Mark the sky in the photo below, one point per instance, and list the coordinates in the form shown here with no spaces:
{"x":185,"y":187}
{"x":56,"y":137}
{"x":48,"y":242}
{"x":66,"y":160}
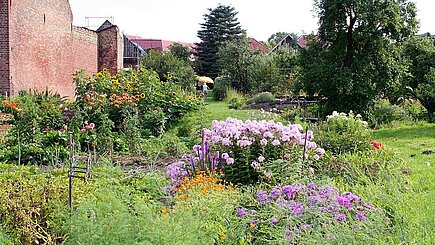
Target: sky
{"x":179,"y":20}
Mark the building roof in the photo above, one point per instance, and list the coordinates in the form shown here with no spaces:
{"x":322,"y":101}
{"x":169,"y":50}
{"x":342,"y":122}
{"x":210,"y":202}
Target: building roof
{"x":156,"y":44}
{"x":256,"y":45}
{"x":106,"y":25}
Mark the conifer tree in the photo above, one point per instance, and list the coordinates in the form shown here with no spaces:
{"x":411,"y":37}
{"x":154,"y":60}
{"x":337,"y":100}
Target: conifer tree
{"x":220,"y":25}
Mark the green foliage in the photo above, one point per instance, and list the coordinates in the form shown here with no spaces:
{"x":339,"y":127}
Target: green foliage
{"x":421,"y":54}
{"x":29,"y":200}
{"x":38,"y":129}
{"x":235,"y":59}
{"x":220,"y":26}
{"x":170,"y":68}
{"x":180,"y":51}
{"x":277,"y":37}
{"x":234,"y":99}
{"x":262,"y":97}
{"x":254,"y":72}
{"x":343,"y":133}
{"x":134,"y":104}
{"x":354,"y":61}
{"x":221,"y":84}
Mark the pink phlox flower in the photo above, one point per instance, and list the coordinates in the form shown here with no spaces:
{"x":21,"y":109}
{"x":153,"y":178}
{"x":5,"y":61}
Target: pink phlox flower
{"x":276,"y":142}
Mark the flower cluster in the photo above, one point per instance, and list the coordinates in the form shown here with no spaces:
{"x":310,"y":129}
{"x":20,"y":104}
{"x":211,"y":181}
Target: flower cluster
{"x":13,"y":105}
{"x":343,"y":116}
{"x":295,"y":206}
{"x":87,"y":127}
{"x":377,"y":145}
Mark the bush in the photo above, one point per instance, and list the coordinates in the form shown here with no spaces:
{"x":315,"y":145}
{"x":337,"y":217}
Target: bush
{"x":29,"y":201}
{"x":311,"y":214}
{"x":221,"y":84}
{"x":343,"y":133}
{"x":262,"y":97}
{"x":234,"y":99}
{"x":38,"y":131}
{"x":170,"y":69}
{"x":249,"y":151}
{"x":384,"y":112}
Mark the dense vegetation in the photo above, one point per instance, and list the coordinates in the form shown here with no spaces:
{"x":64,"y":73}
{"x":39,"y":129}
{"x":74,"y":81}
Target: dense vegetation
{"x":170,"y":167}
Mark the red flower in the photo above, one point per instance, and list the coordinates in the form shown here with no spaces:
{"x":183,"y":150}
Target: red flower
{"x":377,"y":145}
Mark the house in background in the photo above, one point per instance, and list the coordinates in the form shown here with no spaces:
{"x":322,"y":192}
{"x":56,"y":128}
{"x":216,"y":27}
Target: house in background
{"x":156,"y":44}
{"x":256,"y":45}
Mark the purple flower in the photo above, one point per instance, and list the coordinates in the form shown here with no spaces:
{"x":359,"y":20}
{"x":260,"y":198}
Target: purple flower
{"x":274,"y":221}
{"x":241,"y":212}
{"x":340,"y":217}
{"x":360,"y":216}
{"x":230,"y":160}
{"x":225,"y":156}
{"x":196,"y":147}
{"x":268,"y":135}
{"x":320,"y":151}
{"x":263,"y":142}
{"x":262,"y":196}
{"x":316,"y":157}
{"x":261,"y":158}
{"x":276,"y":142}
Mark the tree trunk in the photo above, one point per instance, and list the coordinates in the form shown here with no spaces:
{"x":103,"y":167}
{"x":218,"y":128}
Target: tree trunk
{"x":349,"y":48}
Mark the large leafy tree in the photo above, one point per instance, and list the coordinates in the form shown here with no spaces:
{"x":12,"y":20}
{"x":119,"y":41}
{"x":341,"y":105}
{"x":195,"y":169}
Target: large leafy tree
{"x":421,"y":84}
{"x":220,"y":25}
{"x":352,"y":61}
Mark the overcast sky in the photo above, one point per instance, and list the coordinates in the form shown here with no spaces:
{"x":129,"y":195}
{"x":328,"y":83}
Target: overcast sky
{"x":178,"y":20}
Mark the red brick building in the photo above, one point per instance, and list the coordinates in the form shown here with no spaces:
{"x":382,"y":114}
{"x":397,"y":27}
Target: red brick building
{"x":40,"y":48}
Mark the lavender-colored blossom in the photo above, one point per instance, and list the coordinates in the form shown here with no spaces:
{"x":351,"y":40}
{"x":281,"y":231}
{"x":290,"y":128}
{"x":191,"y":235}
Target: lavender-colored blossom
{"x":305,"y":226}
{"x":316,"y":157}
{"x":276,"y":192}
{"x":268,"y":135}
{"x":230,"y":160}
{"x":361,"y":216}
{"x":340,"y":217}
{"x":255,"y":165}
{"x":225,"y":156}
{"x":241,"y":212}
{"x":274,"y":221}
{"x":262,"y":196}
{"x":276,"y":142}
{"x":196,"y":147}
{"x":320,"y":151}
{"x":263,"y":142}
{"x":260,"y":158}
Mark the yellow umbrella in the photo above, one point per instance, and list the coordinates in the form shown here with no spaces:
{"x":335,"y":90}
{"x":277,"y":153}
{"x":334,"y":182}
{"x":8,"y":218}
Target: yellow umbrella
{"x":204,"y":79}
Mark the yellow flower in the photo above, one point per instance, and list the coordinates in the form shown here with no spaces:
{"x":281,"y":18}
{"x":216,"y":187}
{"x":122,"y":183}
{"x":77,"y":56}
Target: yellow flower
{"x":142,"y":95}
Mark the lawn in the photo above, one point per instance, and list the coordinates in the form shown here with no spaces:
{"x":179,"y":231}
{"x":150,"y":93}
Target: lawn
{"x":415,"y":145}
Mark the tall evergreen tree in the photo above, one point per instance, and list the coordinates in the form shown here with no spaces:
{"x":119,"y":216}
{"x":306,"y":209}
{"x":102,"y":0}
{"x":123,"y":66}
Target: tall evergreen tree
{"x":220,"y":25}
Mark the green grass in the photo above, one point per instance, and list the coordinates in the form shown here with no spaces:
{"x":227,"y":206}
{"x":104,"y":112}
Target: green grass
{"x":418,"y":201}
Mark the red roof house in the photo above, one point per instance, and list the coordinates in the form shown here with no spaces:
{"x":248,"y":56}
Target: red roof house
{"x":156,"y":44}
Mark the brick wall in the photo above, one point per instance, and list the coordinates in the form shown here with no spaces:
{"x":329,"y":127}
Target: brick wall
{"x":41,"y":44}
{"x":4,"y":47}
{"x":110,"y":49}
{"x":85,"y":50}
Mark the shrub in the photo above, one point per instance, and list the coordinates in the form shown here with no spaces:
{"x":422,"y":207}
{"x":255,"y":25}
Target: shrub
{"x":29,"y":201}
{"x":248,"y":151}
{"x":234,"y":99}
{"x":384,"y":112}
{"x":343,"y":133}
{"x":170,"y":68}
{"x":221,"y":84}
{"x":38,"y":132}
{"x":311,"y":214}
{"x":134,"y":104}
{"x":262,"y":97}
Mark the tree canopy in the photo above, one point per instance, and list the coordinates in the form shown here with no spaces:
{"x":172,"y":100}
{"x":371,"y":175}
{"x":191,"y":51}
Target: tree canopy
{"x":220,"y":25}
{"x":352,"y":61}
{"x":421,"y":83}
